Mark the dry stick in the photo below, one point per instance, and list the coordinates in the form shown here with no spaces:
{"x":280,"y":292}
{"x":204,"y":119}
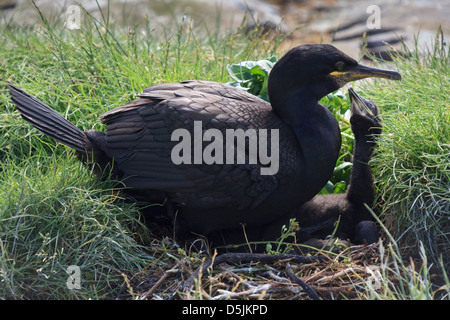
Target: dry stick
{"x":245,"y":258}
{"x":150,"y":292}
{"x":302,"y":283}
{"x":252,"y":291}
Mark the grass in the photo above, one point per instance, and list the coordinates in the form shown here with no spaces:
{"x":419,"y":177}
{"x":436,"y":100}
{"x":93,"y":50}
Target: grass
{"x":412,"y":164}
{"x":54,"y":213}
{"x":412,"y":172}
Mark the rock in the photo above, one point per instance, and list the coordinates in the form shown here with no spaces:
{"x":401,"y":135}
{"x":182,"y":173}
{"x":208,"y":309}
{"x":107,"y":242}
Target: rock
{"x":229,"y":12}
{"x":342,"y":22}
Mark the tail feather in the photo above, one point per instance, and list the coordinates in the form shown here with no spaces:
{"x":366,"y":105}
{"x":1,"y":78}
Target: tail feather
{"x":47,"y":120}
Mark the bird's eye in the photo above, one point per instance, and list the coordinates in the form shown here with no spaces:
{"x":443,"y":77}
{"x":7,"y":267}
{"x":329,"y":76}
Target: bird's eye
{"x":339,"y":65}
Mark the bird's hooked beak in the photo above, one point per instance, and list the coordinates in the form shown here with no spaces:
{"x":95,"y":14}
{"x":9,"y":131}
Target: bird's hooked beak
{"x":358,"y":106}
{"x":361,"y":71}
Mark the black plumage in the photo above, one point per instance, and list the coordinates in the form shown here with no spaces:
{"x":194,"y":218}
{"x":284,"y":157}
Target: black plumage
{"x":345,"y":215}
{"x":321,"y":215}
{"x":137,"y":142}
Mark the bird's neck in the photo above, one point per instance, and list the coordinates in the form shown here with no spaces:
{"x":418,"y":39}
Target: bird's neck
{"x":297,"y":107}
{"x":361,"y":187}
{"x":317,"y":133}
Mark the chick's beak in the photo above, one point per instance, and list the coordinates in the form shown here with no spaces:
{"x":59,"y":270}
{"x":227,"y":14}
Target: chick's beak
{"x":358,"y":106}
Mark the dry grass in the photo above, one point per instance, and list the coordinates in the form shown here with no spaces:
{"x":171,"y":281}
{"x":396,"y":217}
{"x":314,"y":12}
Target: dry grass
{"x":330,"y":276}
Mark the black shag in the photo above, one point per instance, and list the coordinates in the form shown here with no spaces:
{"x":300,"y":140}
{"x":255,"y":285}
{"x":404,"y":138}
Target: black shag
{"x":138,"y":142}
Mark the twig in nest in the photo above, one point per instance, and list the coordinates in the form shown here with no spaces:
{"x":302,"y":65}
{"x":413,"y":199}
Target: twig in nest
{"x":253,"y":291}
{"x":248,"y":284}
{"x":279,"y":279}
{"x":346,"y":272}
{"x":150,"y":292}
{"x":245,"y":258}
{"x":302,"y":283}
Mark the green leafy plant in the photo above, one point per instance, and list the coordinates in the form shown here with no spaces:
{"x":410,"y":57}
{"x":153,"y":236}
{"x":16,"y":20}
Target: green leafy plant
{"x":340,"y":179}
{"x":252,"y":76}
{"x":284,"y":244}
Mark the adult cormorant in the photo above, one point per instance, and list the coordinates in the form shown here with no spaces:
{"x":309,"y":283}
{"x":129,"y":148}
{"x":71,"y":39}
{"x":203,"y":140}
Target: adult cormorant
{"x":138,"y":142}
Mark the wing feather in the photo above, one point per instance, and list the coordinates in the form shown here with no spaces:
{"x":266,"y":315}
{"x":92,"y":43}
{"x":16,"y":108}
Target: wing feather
{"x":138,"y":137}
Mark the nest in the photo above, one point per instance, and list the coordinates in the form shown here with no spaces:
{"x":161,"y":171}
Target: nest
{"x":248,"y":276}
